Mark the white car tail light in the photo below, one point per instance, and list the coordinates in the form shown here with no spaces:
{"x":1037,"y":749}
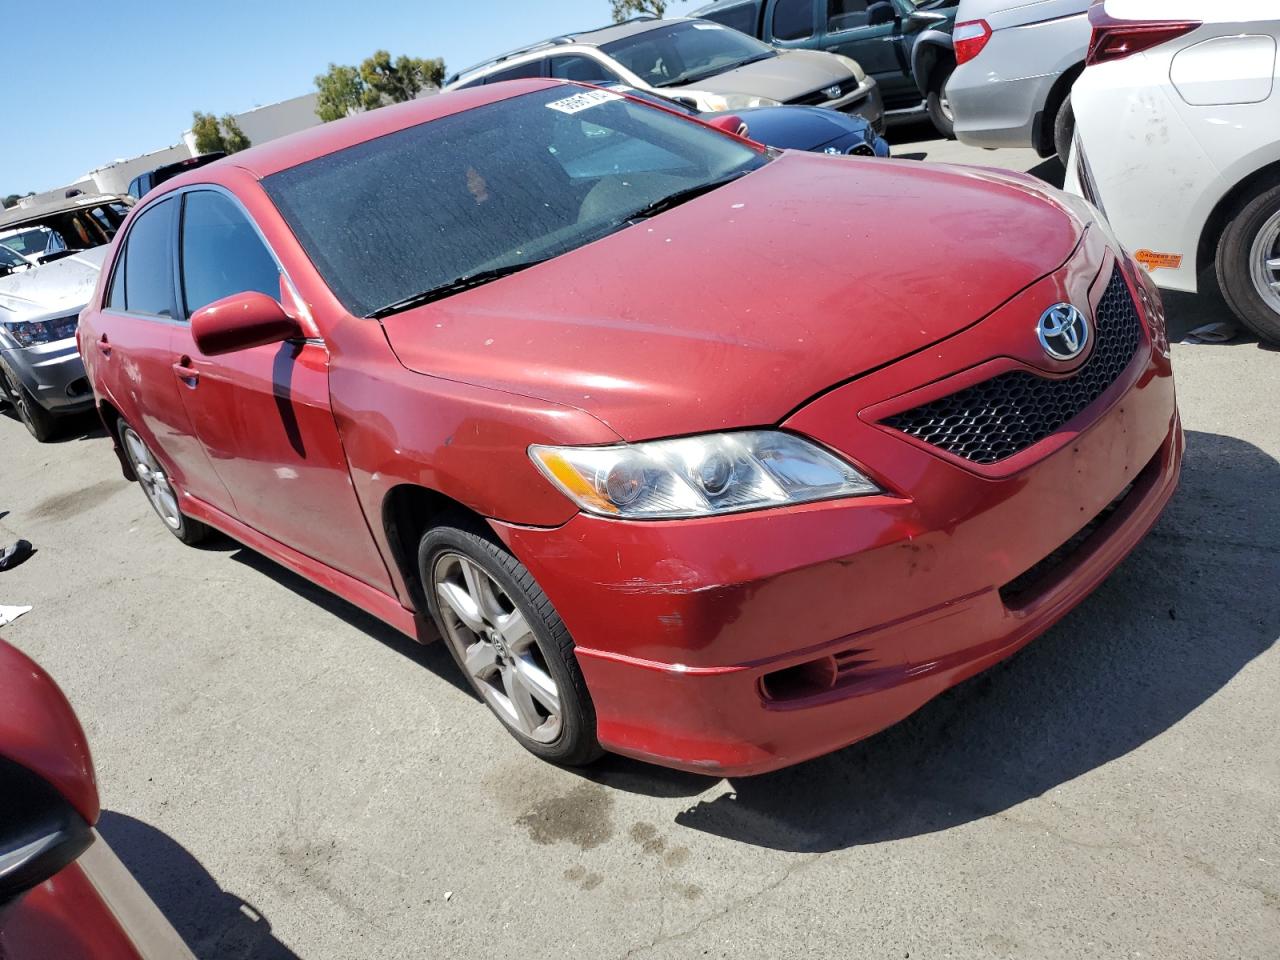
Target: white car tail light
{"x":969,"y":38}
{"x":1115,"y":39}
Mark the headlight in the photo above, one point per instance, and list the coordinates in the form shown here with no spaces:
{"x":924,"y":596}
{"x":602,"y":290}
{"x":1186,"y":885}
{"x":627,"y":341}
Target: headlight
{"x":741,"y":101}
{"x":699,"y":476}
{"x":33,"y":332}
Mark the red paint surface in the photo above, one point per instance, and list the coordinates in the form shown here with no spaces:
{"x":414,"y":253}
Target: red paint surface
{"x":39,"y":731}
{"x":817,"y":293}
{"x":64,"y":918}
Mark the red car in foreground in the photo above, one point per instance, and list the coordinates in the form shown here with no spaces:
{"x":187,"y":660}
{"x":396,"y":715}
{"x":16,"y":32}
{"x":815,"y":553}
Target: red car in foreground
{"x":64,"y":895}
{"x":693,"y":451}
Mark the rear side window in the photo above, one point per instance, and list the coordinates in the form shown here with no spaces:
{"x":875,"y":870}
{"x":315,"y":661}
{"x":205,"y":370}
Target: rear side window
{"x":580,"y":68}
{"x":148,"y":280}
{"x":848,"y":14}
{"x":741,"y":17}
{"x":531,"y":69}
{"x":793,"y":19}
{"x":222,"y":253}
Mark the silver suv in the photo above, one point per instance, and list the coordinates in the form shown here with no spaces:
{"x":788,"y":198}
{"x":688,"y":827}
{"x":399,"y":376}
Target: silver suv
{"x":703,"y":64}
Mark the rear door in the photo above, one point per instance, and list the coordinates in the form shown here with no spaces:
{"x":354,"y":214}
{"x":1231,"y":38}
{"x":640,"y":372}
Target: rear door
{"x":263,"y":414}
{"x":133,"y":351}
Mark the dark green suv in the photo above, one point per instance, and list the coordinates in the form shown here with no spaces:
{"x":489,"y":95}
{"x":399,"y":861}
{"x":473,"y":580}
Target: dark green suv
{"x":904,"y":44}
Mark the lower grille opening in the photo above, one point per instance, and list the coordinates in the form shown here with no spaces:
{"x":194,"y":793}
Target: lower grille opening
{"x":1025,"y":587}
{"x":818,"y":676}
{"x":78,"y":387}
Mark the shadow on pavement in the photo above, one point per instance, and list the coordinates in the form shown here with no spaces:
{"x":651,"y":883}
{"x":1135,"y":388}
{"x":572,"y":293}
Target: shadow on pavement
{"x":1182,"y":615}
{"x":434,"y":656}
{"x":214,"y":923}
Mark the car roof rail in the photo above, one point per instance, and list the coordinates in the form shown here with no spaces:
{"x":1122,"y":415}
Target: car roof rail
{"x":540,"y":45}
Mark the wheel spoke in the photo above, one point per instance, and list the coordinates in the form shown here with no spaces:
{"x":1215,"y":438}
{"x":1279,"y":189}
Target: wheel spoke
{"x":540,"y":686}
{"x":481,"y":589}
{"x":461,"y":603}
{"x":1274,"y":264}
{"x":481,"y":659}
{"x":526,"y":714}
{"x":168,"y":503}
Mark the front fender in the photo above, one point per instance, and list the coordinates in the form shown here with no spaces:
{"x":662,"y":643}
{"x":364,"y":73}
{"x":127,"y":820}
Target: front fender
{"x":931,"y":48}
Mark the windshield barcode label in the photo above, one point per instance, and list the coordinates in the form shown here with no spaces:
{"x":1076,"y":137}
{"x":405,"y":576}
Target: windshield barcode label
{"x":582,"y":101}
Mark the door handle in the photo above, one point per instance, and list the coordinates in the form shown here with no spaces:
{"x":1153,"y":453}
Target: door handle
{"x":187,"y":373}
{"x":104,"y":347}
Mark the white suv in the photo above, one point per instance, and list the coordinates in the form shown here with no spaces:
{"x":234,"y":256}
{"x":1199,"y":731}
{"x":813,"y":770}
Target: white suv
{"x":1178,"y":143}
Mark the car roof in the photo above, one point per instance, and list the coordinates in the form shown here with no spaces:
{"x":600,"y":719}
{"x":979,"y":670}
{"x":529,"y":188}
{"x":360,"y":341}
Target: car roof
{"x":18,"y":216}
{"x":305,"y":145}
{"x":595,"y":37}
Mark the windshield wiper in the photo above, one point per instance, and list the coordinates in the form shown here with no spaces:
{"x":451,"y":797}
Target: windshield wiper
{"x":454,"y":286}
{"x":680,"y":196}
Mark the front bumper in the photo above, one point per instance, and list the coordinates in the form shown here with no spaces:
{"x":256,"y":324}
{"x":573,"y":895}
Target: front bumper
{"x":740,"y":644}
{"x":53,"y":373}
{"x":866,"y":102}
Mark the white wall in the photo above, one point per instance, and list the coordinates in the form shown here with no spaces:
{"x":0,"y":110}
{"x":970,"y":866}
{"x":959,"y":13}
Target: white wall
{"x":274,"y":120}
{"x":115,"y":177}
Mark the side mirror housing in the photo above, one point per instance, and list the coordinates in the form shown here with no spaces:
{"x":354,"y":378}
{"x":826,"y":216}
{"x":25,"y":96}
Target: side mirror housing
{"x":923,"y":19}
{"x":241,"y":321}
{"x":50,"y":796}
{"x":729,"y":123}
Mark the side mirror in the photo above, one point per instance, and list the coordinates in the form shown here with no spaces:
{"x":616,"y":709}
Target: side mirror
{"x":880,"y":13}
{"x":729,"y":123}
{"x":241,"y":321}
{"x":921,"y":20}
{"x":46,"y":778}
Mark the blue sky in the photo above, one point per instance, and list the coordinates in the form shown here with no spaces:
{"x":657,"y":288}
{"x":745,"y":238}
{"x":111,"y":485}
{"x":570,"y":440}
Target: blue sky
{"x":91,"y":81}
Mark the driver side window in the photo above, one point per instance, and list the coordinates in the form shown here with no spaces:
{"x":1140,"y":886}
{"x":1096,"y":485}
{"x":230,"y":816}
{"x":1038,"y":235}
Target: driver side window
{"x":222,"y":253}
{"x":793,"y":19}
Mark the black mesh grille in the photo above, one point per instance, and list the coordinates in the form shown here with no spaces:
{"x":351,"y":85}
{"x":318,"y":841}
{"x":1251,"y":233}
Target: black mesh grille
{"x":820,"y":96}
{"x":1002,"y":416}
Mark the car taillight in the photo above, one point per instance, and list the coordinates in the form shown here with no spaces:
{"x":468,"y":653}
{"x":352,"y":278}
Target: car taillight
{"x":969,"y":38}
{"x":1115,"y":39}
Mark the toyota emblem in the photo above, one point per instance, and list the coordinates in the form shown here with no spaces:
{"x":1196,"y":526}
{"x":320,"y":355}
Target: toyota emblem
{"x":1063,"y":331}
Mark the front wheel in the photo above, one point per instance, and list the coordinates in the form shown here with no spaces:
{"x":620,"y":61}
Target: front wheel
{"x":40,"y":423}
{"x":1248,"y":264}
{"x":939,"y":106}
{"x":160,"y":493}
{"x":509,"y":642}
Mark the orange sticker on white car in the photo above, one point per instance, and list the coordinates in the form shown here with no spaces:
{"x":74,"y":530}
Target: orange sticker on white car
{"x":1154,"y":261}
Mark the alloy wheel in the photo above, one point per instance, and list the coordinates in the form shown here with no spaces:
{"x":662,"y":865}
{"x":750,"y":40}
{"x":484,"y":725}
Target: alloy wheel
{"x":1264,"y":262}
{"x":496,"y":646}
{"x":154,"y":482}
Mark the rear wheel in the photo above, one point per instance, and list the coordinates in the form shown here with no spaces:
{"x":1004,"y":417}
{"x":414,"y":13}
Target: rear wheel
{"x":159,"y":491}
{"x":1064,"y":129}
{"x":1248,"y":264}
{"x":938,"y":105}
{"x":509,"y":642}
{"x":40,"y":423}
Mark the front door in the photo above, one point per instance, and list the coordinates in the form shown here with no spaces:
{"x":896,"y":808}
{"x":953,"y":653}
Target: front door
{"x":870,"y":31}
{"x":263,"y":414}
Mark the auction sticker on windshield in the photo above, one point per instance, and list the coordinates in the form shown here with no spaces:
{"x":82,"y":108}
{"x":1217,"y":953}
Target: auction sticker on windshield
{"x":582,"y":101}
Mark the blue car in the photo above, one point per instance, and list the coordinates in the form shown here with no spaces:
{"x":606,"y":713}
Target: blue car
{"x":815,"y":129}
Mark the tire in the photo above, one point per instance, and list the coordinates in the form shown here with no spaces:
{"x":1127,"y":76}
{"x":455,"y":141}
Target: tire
{"x":936,"y":103}
{"x":522,"y":643}
{"x":1064,"y":129}
{"x":159,"y":492}
{"x":40,"y":423}
{"x":1251,"y":238}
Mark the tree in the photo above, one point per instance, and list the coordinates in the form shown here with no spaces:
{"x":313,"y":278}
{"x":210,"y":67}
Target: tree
{"x":377,"y":82}
{"x":340,"y":89}
{"x":212,"y":135}
{"x":13,"y":198}
{"x":233,"y":136}
{"x":625,"y":9}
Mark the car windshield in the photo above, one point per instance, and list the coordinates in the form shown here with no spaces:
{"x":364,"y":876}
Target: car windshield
{"x":432,"y":209}
{"x":33,"y":242}
{"x":686,"y":52}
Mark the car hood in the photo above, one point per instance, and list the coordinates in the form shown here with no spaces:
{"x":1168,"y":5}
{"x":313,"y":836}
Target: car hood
{"x":798,"y":128}
{"x":734,"y":308}
{"x":792,"y":73}
{"x":58,"y":288}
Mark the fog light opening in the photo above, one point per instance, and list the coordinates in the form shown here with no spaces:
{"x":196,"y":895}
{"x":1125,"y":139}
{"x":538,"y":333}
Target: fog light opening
{"x":802,"y":680}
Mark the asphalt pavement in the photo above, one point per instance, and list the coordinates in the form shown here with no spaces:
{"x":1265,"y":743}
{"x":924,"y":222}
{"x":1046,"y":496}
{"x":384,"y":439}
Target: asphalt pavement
{"x":287,"y":777}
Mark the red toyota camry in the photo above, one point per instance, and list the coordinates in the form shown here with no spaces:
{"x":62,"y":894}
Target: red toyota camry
{"x":692,"y":450}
